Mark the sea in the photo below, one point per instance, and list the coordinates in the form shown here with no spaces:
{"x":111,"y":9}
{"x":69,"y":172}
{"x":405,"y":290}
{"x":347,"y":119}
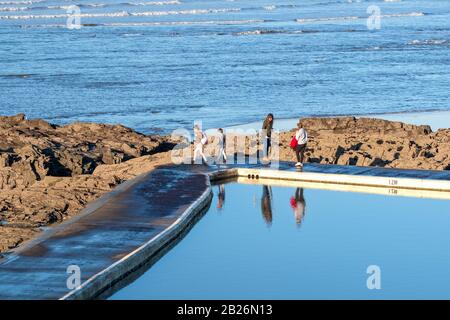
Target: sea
{"x":157,"y":66}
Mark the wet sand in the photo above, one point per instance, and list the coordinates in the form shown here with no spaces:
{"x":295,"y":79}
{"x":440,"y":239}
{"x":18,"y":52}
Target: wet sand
{"x":436,"y":120}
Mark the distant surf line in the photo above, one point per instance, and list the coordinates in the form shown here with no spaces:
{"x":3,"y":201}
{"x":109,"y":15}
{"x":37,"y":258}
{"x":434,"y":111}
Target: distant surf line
{"x":122,"y":14}
{"x":343,"y":18}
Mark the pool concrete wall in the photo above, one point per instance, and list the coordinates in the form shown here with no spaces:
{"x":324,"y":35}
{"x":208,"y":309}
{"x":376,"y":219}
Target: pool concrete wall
{"x":98,"y":283}
{"x":347,"y":179}
{"x":409,"y":187}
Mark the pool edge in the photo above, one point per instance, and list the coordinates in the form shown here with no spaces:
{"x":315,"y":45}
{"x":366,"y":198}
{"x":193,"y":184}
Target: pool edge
{"x":102,"y":281}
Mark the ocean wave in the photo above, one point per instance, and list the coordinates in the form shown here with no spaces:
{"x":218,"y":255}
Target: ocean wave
{"x":18,"y":3}
{"x":130,"y":4}
{"x":175,"y":23}
{"x":306,"y":20}
{"x":13,"y":9}
{"x":270,"y":8}
{"x":259,"y":32}
{"x":89,"y":5}
{"x":409,"y":14}
{"x":152,"y":3}
{"x":81,"y":5}
{"x":121,"y":14}
{"x":183,"y":12}
{"x":17,"y":75}
{"x":149,"y":24}
{"x":343,"y":18}
{"x":429,"y":42}
{"x":282,"y":31}
{"x":57,"y":16}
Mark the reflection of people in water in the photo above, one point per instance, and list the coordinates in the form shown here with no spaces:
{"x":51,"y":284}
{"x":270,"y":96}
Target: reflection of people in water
{"x":221,"y":196}
{"x":298,"y":205}
{"x":266,"y":204}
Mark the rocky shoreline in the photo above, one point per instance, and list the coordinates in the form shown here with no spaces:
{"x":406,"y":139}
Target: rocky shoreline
{"x":372,"y":142}
{"x":50,"y":173}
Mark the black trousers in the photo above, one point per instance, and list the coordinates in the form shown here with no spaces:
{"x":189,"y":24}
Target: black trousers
{"x":300,"y":152}
{"x":268,"y":144}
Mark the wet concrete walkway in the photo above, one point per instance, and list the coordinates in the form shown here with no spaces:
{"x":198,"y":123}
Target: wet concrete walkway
{"x":124,"y":220}
{"x":97,"y":240}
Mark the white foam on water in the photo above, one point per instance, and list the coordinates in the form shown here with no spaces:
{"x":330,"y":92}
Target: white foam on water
{"x":153,"y":3}
{"x":13,"y":9}
{"x":174,"y":23}
{"x":259,"y":32}
{"x":270,"y":8}
{"x":57,"y":7}
{"x":121,"y":14}
{"x":150,"y":24}
{"x":429,"y":42}
{"x":183,"y":12}
{"x":343,"y":18}
{"x":410,"y":14}
{"x":15,"y":3}
{"x":306,"y":20}
{"x":88,"y":5}
{"x":58,"y":16}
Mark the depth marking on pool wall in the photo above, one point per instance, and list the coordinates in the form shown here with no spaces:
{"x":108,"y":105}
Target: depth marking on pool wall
{"x":361,"y":180}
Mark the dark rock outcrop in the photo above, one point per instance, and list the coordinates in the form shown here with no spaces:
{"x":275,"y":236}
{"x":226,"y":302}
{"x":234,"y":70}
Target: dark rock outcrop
{"x":342,"y":125}
{"x":33,"y":149}
{"x":372,"y":142}
{"x":47,"y":171}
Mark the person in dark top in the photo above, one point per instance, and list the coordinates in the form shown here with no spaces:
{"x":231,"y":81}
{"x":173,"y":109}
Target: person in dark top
{"x":221,"y":196}
{"x":266,"y":205}
{"x":267,"y":129}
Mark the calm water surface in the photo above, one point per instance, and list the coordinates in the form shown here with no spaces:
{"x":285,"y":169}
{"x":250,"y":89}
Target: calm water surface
{"x":257,"y":242}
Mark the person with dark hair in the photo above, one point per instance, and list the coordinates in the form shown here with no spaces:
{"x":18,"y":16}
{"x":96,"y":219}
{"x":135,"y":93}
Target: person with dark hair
{"x":221,"y":197}
{"x":266,"y":205}
{"x":222,"y":155}
{"x":267,"y":129}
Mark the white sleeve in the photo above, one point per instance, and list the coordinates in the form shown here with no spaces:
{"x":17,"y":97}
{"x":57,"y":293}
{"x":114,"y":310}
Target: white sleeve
{"x":301,"y":136}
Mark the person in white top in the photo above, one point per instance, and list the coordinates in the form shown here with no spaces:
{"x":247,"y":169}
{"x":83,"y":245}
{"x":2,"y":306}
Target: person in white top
{"x":302,"y":139}
{"x":200,"y":141}
{"x":300,"y":206}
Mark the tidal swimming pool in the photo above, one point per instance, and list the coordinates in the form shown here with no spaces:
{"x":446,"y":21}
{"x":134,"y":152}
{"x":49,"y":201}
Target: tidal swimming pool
{"x":263,"y":242}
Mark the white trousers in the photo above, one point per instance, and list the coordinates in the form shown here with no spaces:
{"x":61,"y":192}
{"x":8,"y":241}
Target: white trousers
{"x":198,"y":151}
{"x":221,"y":154}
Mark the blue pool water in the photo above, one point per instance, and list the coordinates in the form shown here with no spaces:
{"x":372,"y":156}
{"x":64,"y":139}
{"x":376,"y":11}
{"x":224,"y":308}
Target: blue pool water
{"x":252,"y":244}
{"x":158,"y":65}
